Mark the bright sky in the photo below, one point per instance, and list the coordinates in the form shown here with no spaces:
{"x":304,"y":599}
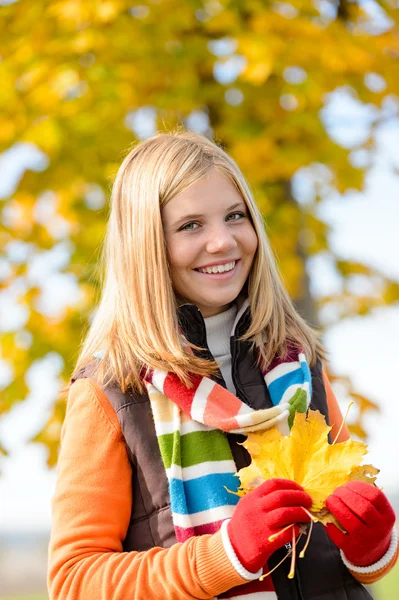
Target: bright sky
{"x":365,"y":228}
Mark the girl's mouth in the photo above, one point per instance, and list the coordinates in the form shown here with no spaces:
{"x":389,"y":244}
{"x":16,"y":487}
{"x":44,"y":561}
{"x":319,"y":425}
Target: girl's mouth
{"x":220,"y":271}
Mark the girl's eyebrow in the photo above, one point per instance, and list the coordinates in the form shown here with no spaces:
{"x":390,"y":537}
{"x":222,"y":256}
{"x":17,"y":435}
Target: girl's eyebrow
{"x":199,"y":215}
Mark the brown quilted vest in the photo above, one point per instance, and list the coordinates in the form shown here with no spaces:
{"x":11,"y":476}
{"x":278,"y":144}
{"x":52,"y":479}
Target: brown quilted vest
{"x":321,"y":575}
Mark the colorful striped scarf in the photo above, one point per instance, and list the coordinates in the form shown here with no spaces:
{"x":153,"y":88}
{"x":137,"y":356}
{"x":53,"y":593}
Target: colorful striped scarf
{"x":190,"y":425}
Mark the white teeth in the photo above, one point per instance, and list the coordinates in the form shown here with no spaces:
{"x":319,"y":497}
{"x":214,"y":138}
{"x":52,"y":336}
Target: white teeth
{"x":219,"y":268}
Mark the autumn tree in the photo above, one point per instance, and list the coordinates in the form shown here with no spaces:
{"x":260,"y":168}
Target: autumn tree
{"x":81,"y":81}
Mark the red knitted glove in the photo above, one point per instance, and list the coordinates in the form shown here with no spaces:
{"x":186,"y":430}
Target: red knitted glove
{"x":263,"y":512}
{"x":365,"y":513}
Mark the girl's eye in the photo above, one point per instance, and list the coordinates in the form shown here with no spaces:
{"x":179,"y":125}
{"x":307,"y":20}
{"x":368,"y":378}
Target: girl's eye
{"x":236,"y":216}
{"x":192,"y":226}
{"x":187,"y":226}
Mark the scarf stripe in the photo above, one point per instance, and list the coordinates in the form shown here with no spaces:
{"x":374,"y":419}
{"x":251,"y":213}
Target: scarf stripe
{"x":198,"y":495}
{"x":200,"y":469}
{"x":191,"y":424}
{"x":282,"y":381}
{"x":192,"y":448}
{"x":201,"y":519}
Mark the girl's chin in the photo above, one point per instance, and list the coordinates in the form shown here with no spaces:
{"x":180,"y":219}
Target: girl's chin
{"x":209,"y":309}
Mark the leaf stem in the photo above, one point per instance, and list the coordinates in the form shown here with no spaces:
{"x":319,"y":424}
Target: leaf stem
{"x":312,"y":517}
{"x":275,"y":535}
{"x":302,"y":552}
{"x":261,"y":578}
{"x":343,"y":422}
{"x":240,"y":494}
{"x":293,"y":556}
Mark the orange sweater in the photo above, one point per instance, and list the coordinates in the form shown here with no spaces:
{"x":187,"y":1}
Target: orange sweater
{"x":91,"y":512}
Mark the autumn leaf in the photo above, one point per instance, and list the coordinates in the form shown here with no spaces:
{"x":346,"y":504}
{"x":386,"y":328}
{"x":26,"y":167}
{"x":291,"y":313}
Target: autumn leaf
{"x":307,"y":457}
{"x":366,"y":473}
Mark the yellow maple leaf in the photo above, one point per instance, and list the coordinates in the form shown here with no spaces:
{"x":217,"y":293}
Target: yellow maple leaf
{"x":366,"y":473}
{"x":305,"y":456}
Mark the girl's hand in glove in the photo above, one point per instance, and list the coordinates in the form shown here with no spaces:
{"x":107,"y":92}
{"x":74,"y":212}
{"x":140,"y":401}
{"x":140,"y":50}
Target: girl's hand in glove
{"x":263,"y":512}
{"x":367,"y":516}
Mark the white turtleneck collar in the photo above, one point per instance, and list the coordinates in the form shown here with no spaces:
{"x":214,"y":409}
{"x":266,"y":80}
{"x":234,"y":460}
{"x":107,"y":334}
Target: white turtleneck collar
{"x":219,"y":328}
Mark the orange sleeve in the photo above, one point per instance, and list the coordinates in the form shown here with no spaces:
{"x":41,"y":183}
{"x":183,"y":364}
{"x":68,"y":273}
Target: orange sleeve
{"x":90,"y":515}
{"x":369,"y":578}
{"x":334,"y":413}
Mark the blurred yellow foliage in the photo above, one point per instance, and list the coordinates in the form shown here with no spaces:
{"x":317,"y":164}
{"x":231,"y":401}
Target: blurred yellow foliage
{"x":72,"y":76}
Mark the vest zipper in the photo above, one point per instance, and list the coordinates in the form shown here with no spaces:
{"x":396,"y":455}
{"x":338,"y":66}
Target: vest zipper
{"x":242,"y":395}
{"x":297,"y":578}
{"x":234,"y":360}
{"x":298,"y":585}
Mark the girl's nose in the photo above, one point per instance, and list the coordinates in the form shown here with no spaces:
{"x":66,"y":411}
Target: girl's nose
{"x":220,"y":240}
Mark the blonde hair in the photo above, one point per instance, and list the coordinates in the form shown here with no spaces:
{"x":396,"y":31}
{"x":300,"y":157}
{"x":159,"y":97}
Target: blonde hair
{"x":136,"y":322}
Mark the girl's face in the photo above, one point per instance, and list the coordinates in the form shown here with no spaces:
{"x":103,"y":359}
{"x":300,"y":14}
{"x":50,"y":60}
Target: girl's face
{"x":211,"y":243}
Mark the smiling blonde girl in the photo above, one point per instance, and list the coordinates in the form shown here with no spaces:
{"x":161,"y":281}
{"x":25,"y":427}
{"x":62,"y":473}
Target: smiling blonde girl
{"x":195,"y":343}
